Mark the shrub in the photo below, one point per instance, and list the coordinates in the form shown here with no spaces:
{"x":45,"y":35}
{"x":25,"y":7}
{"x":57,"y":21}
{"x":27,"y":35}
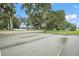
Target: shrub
{"x":72,"y":28}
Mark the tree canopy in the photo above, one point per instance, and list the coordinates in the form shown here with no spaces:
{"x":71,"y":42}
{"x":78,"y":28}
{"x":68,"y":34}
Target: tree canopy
{"x":40,"y":16}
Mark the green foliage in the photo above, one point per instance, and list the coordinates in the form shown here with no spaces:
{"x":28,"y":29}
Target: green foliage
{"x":7,"y":12}
{"x":72,"y":28}
{"x":39,"y":14}
{"x":2,"y":24}
{"x":16,"y":22}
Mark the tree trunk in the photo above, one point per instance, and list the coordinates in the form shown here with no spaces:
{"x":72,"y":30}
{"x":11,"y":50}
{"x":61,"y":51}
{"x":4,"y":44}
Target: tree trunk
{"x":11,"y":24}
{"x":31,"y":24}
{"x":8,"y":24}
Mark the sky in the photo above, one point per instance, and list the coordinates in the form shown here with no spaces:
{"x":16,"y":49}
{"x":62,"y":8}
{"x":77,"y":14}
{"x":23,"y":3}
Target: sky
{"x":19,"y":11}
{"x":71,"y":11}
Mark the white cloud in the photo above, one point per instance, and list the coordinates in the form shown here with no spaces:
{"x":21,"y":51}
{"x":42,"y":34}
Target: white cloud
{"x":71,"y":16}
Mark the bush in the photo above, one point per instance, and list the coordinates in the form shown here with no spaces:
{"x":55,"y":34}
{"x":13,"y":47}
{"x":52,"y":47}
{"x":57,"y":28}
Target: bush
{"x":72,"y":28}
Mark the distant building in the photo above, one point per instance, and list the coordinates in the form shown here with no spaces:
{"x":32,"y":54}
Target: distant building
{"x":23,"y":25}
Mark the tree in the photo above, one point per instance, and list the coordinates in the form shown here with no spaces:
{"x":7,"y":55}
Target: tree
{"x":71,"y":27}
{"x":37,"y":21}
{"x":29,"y":10}
{"x":56,"y":20}
{"x":36,"y":10}
{"x":8,"y":12}
{"x":60,"y":19}
{"x":16,"y":22}
{"x":3,"y":23}
{"x":44,"y":9}
{"x":3,"y":16}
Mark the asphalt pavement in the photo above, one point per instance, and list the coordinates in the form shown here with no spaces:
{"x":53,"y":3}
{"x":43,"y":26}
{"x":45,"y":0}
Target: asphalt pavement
{"x":38,"y":44}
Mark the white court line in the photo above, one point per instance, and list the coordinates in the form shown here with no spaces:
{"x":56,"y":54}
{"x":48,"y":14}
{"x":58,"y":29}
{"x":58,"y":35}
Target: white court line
{"x":60,"y":50}
{"x":59,"y":53}
{"x":0,"y":52}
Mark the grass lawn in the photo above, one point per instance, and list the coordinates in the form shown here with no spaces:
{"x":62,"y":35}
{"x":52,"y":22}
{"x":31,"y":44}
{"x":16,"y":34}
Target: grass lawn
{"x":64,"y":32}
{"x":2,"y":30}
{"x":54,"y":32}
